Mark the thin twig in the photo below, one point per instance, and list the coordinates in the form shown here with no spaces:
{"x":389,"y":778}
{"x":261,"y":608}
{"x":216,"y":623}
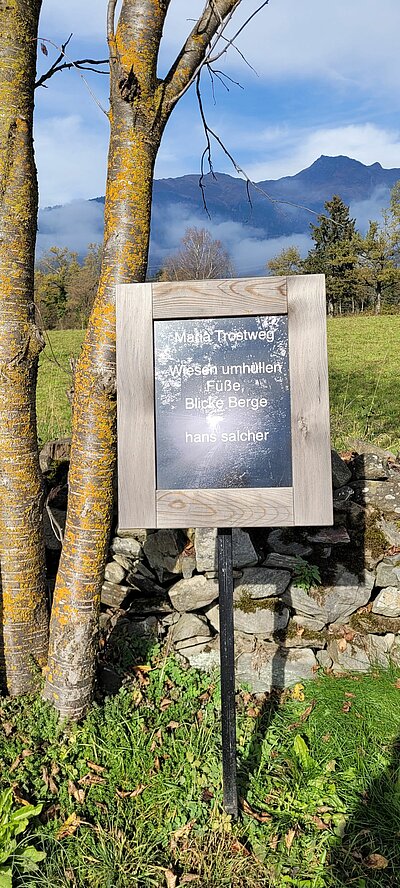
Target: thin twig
{"x":82,"y":64}
{"x":231,"y":42}
{"x":56,"y":528}
{"x":74,"y":65}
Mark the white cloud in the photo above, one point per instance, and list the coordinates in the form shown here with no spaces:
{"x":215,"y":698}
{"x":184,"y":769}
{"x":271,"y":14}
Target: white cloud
{"x":71,"y":158}
{"x":285,"y":151}
{"x":74,"y":226}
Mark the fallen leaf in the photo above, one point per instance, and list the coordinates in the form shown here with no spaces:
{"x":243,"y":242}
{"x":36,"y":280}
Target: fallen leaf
{"x":326,"y":738}
{"x":75,"y":793}
{"x":207,"y":795}
{"x":273,"y":842}
{"x":297,"y":692}
{"x":18,"y":797}
{"x":173,"y":725}
{"x":180,"y":833}
{"x":7,"y":728}
{"x":397,"y":685}
{"x":376,"y":861}
{"x":165,"y":703}
{"x":49,"y":813}
{"x":300,"y":630}
{"x":157,"y":763}
{"x":170,"y":878}
{"x":349,"y":635}
{"x":98,"y":769}
{"x":189,"y":877}
{"x":349,"y":694}
{"x":91,"y":780}
{"x":131,"y":794}
{"x":319,"y":823}
{"x":253,"y":712}
{"x":23,"y":755}
{"x":143,"y":668}
{"x":304,"y":716}
{"x":341,"y":645}
{"x":199,"y":716}
{"x":347,"y":706}
{"x":260,"y":816}
{"x":289,"y":838}
{"x":69,"y":827}
{"x":238,"y":848}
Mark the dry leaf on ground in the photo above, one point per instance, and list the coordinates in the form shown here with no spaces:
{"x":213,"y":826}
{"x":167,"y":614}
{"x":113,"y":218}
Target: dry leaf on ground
{"x":69,"y":827}
{"x":289,"y":838}
{"x":170,"y":878}
{"x":376,"y":861}
{"x":261,"y":816}
{"x":130,"y":793}
{"x":303,"y":716}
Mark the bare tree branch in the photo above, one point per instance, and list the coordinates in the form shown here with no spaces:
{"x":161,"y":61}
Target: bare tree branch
{"x":193,"y":55}
{"x":111,"y":27}
{"x":231,"y":42}
{"x":71,"y":64}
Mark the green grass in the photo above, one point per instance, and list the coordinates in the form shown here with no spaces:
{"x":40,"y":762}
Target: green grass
{"x":363,"y":377}
{"x":54,"y":380}
{"x":140,"y":780}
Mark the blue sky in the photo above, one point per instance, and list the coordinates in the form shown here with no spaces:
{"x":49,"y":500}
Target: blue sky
{"x":325,"y":81}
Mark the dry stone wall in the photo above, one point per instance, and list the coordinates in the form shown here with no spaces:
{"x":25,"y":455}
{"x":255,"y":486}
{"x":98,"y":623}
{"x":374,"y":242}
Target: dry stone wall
{"x":164,"y":584}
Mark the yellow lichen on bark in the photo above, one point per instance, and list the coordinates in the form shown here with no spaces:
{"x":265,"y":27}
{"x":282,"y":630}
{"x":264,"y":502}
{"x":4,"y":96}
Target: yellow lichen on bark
{"x":24,"y":609}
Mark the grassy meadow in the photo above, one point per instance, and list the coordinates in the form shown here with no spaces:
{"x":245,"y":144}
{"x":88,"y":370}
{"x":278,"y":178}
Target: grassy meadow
{"x":363,"y":378}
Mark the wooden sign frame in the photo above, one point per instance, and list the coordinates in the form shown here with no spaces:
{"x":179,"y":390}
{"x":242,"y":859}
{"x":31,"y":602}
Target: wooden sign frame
{"x":309,"y":500}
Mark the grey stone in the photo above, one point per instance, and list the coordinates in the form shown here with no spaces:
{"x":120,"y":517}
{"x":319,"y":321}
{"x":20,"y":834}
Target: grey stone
{"x":113,"y":594}
{"x":212,"y":614}
{"x":304,"y":602}
{"x":387,"y":602}
{"x":342,"y":496}
{"x":379,"y":648}
{"x":137,"y":533}
{"x":261,"y":582}
{"x":193,"y":594}
{"x":384,"y":495}
{"x":324,"y":659}
{"x":114,"y":572}
{"x":171,"y":619}
{"x":370,"y":466}
{"x":352,"y":658}
{"x":126,"y":546}
{"x":124,"y":561}
{"x":391,"y":530}
{"x":287,"y":562}
{"x":54,"y":452}
{"x":163,"y":552}
{"x":346,"y":596}
{"x":144,"y":585}
{"x":341,"y":473}
{"x":203,"y":656}
{"x":146,"y":607}
{"x":263,"y":622}
{"x":358,"y":446}
{"x":388,"y":571}
{"x":334,"y":536}
{"x":144,"y":571}
{"x":147,"y":626}
{"x":308,"y":623}
{"x":296,"y":636}
{"x":192,"y":642}
{"x":268,"y":666}
{"x":206,"y":549}
{"x":188,"y":563}
{"x":278,"y":543}
{"x":188,"y":626}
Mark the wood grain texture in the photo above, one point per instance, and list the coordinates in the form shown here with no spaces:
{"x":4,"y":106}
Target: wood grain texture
{"x":135,"y":416}
{"x":250,"y":507}
{"x":308,"y":368}
{"x":207,"y":299}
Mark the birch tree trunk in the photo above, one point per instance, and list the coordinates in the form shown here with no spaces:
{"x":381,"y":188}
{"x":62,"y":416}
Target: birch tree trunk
{"x":140,"y":106}
{"x":23,"y":637}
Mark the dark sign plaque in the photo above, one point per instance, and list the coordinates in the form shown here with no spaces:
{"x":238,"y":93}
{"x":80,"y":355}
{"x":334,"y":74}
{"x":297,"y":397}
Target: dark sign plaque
{"x":222,"y":399}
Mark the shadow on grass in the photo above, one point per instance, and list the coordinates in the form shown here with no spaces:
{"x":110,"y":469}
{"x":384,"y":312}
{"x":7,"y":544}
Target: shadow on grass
{"x":370,"y":852}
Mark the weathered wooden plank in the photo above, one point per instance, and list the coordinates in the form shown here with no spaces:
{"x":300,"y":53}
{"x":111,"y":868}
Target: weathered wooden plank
{"x":207,"y":299}
{"x":311,"y":455}
{"x":245,"y":507}
{"x":135,"y":411}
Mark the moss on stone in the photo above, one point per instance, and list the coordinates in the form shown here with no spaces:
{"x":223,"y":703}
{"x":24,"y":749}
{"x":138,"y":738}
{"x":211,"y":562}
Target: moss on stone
{"x":374,"y":624}
{"x":250,"y":605}
{"x":375,"y":540}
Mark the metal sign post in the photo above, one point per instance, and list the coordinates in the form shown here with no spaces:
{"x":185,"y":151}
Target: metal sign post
{"x":227,"y":655}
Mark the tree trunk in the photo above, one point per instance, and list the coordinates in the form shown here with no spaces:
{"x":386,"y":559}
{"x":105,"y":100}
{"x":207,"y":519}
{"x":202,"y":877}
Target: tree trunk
{"x":378,"y":299}
{"x":140,"y":107}
{"x":24,"y":621}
